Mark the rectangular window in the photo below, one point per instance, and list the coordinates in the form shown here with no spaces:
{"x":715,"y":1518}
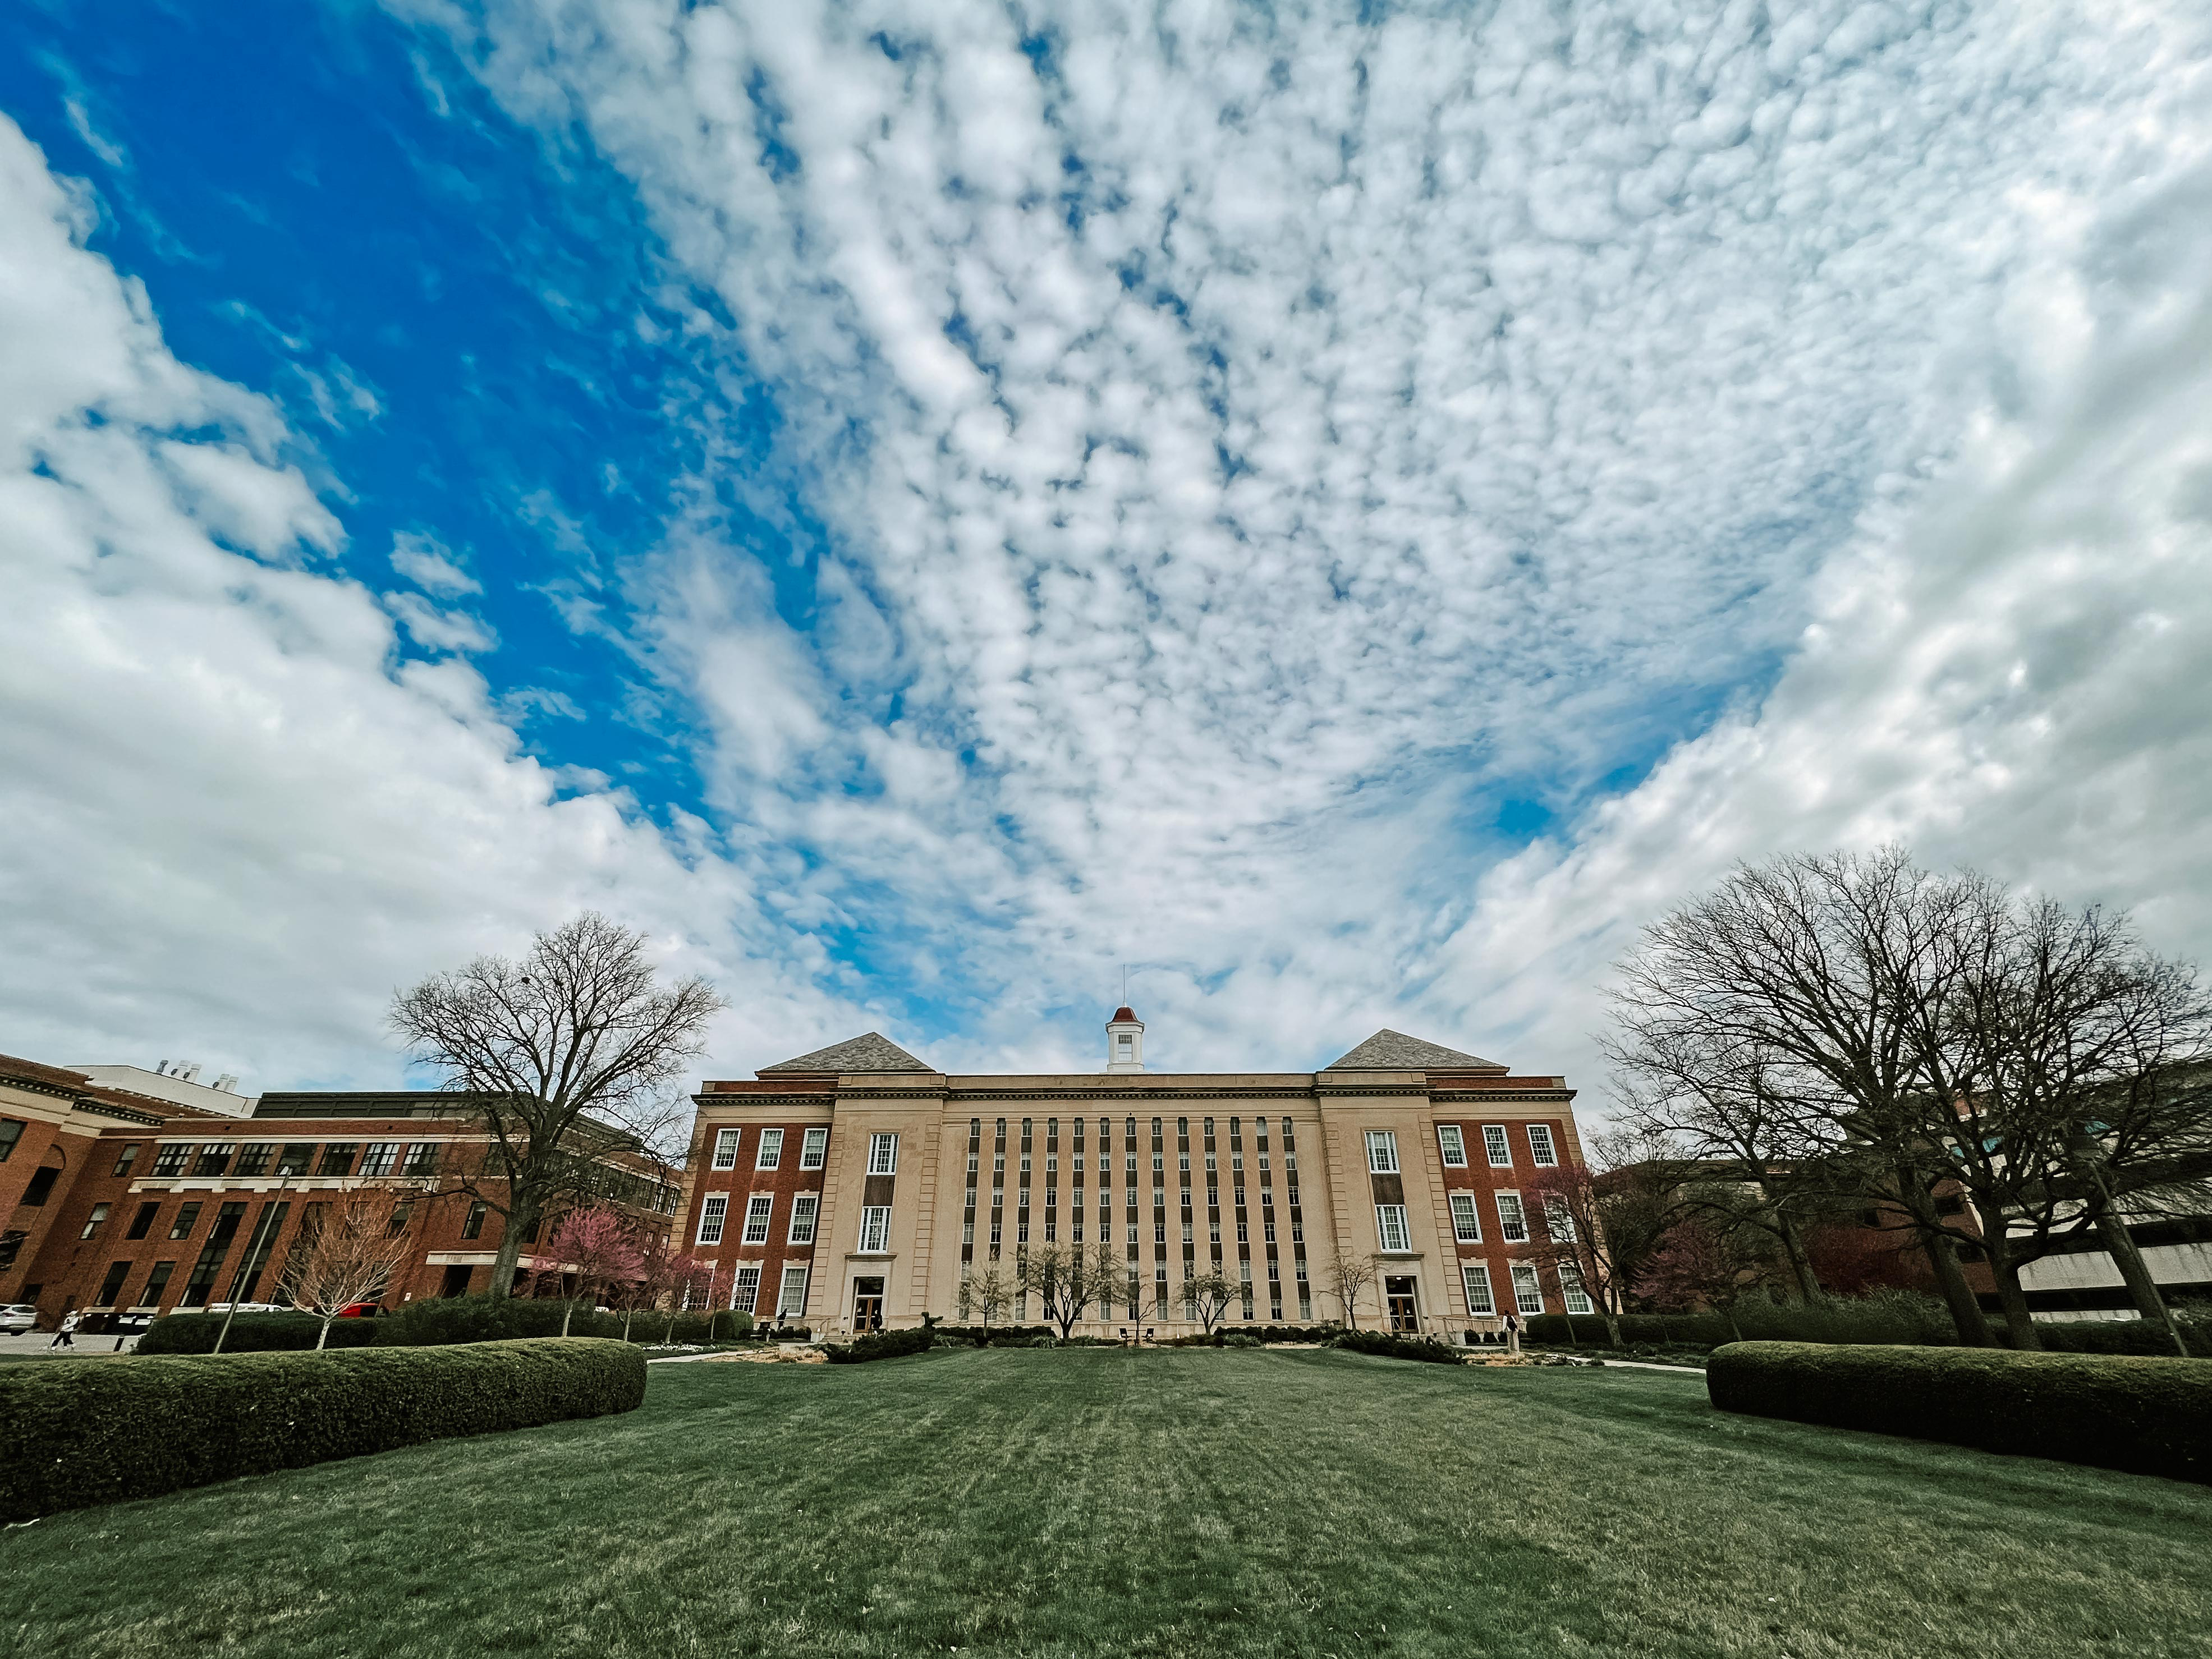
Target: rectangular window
{"x":10,"y":1132}
{"x":472,"y":1227}
{"x":769,"y":1154}
{"x":199,"y":1287}
{"x":1494,"y":1142}
{"x":1571,"y":1282}
{"x":1453,"y":1144}
{"x":124,"y":1159}
{"x":169,"y":1159}
{"x":39,"y":1187}
{"x":214,"y":1159}
{"x":745,"y":1288}
{"x":1382,"y":1153}
{"x":1474,"y":1280}
{"x":337,"y":1158}
{"x":791,"y":1298}
{"x":712,"y":1211}
{"x":1390,"y":1227}
{"x":759,"y":1210}
{"x":883,"y":1155}
{"x":188,"y":1216}
{"x":156,"y":1282}
{"x":1512,"y":1224}
{"x":379,"y":1158}
{"x":421,"y":1158}
{"x":1556,"y":1221}
{"x":725,"y":1148}
{"x":814,"y":1150}
{"x":253,"y":1158}
{"x":1527,"y":1292}
{"x":295,"y":1158}
{"x":142,"y":1222}
{"x":92,"y":1222}
{"x":1467,"y":1224}
{"x":876,"y":1229}
{"x":1541,"y":1147}
{"x":802,"y":1219}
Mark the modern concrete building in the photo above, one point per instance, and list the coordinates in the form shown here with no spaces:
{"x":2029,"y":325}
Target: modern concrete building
{"x":858,"y":1187}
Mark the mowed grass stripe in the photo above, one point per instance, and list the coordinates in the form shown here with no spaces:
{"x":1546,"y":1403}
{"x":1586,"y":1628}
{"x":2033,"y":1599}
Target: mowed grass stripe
{"x":1169,"y":1503}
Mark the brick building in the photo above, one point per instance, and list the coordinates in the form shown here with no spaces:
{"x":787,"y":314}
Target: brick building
{"x":857,"y":1185}
{"x":113,"y":1202}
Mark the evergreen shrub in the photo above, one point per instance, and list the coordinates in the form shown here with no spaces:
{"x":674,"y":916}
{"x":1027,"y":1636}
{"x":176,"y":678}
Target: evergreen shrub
{"x":1396,"y":1347}
{"x":881,"y":1345}
{"x":75,"y":1433}
{"x":252,"y":1333}
{"x":2115,"y":1410}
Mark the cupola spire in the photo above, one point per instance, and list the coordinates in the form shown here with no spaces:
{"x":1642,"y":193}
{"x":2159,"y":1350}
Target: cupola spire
{"x":1125,"y":1041}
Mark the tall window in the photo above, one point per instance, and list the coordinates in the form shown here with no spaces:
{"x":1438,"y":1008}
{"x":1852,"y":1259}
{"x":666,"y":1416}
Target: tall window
{"x":712,"y":1213}
{"x":337,"y":1158}
{"x":379,"y":1158}
{"x":10,"y":1132}
{"x":1527,"y":1292}
{"x":1381,"y":1152}
{"x":1467,"y":1224}
{"x":1541,"y":1147}
{"x":1512,"y":1224}
{"x":814,"y":1150}
{"x":156,"y":1282}
{"x":1453,"y":1144}
{"x":124,"y":1159}
{"x":883,"y":1155}
{"x":744,"y":1289}
{"x":1571,"y":1283}
{"x":1495,"y":1143}
{"x":295,"y":1158}
{"x":802,"y":1219}
{"x":1390,"y":1227}
{"x":142,"y":1222}
{"x":472,"y":1226}
{"x":92,"y":1222}
{"x":169,"y":1159}
{"x":725,"y":1148}
{"x":770,"y":1153}
{"x":1474,"y":1280}
{"x":757,"y":1209}
{"x":1556,"y":1221}
{"x":791,"y":1298}
{"x":876,"y":1229}
{"x":188,"y":1216}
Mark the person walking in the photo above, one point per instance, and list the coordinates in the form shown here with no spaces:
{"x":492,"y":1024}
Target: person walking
{"x":1512,"y":1333}
{"x":66,"y":1336}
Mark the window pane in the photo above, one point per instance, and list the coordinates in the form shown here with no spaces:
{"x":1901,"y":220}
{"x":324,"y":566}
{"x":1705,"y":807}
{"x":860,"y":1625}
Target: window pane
{"x":1453,"y":1147}
{"x":882,"y":1154}
{"x":1467,"y":1224}
{"x":757,"y":1211}
{"x":812,"y":1151}
{"x":1512,"y":1225}
{"x":1381,"y":1152}
{"x":1541,"y":1147}
{"x":711,"y":1214}
{"x":725,"y":1148}
{"x":1528,"y":1293}
{"x":771,"y":1150}
{"x":1499,"y":1149}
{"x":791,"y":1300}
{"x":1474,"y":1278}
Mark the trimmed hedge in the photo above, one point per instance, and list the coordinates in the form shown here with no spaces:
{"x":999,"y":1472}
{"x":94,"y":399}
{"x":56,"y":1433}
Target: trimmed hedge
{"x":252,"y":1333}
{"x":2120,"y":1412}
{"x":882,"y":1345}
{"x":1396,"y":1347}
{"x":75,"y":1433}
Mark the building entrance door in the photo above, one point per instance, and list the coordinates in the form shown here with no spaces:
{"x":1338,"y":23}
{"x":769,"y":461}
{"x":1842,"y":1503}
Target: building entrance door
{"x":1405,"y":1316}
{"x":867,"y":1305}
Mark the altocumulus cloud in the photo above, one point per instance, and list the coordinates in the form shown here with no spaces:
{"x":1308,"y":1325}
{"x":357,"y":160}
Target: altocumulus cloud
{"x":1256,"y":445}
{"x":1252,"y":451}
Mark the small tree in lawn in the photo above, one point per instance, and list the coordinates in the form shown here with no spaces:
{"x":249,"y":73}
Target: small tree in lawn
{"x":1066,"y":1278}
{"x":1699,"y":1264}
{"x":989,"y":1293}
{"x":354,"y":1245}
{"x":1210,"y":1294}
{"x":595,"y":1245}
{"x":1347,"y":1276}
{"x":1599,"y":1225}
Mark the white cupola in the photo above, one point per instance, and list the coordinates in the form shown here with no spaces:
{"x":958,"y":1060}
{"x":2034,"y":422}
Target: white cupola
{"x":1125,"y":1042}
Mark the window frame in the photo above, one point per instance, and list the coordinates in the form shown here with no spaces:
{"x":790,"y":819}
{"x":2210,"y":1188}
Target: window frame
{"x":1383,"y":1214}
{"x":1451,"y":1139}
{"x":1513,"y":1228}
{"x":760,"y":1218}
{"x":783,"y":1297}
{"x":805,"y":1207}
{"x":1572,"y":1289}
{"x":1469,"y":1271}
{"x":715,"y":1213}
{"x":876,"y":1224}
{"x":379,"y":1159}
{"x":726,"y":1142}
{"x":1497,"y":1146}
{"x":752,"y":1303}
{"x":882,"y":1152}
{"x":814,"y":1148}
{"x":1384,"y":1143}
{"x":767,"y":1150}
{"x":1463,"y":1202}
{"x":170,"y":1157}
{"x":1546,"y":1154}
{"x":1526,"y":1281}
{"x":94,"y":1219}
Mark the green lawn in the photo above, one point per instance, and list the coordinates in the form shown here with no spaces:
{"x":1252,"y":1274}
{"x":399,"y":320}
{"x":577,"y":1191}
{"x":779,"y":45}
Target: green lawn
{"x":1092,"y":1501}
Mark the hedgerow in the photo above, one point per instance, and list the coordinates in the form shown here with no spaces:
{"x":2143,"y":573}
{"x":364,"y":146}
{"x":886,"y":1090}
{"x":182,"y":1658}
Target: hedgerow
{"x":1396,"y":1347}
{"x":2121,"y":1411}
{"x":881,"y":1345}
{"x":75,"y":1433}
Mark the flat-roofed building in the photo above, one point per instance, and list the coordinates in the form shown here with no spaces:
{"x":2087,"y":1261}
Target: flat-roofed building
{"x":857,"y":1185}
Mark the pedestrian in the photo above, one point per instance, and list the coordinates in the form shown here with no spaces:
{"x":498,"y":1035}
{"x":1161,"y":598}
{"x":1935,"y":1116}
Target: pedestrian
{"x":66,"y":1336}
{"x":1513,"y":1333}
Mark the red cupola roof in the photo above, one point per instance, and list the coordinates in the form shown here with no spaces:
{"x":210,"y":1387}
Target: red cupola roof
{"x":1125,"y":1013}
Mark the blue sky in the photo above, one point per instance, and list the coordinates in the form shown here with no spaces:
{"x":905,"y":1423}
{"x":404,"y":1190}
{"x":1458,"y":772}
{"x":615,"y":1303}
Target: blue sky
{"x":1350,"y":510}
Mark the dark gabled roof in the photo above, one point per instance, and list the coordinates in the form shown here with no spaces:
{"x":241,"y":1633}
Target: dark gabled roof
{"x":1394,"y":1051}
{"x":873,"y":1053}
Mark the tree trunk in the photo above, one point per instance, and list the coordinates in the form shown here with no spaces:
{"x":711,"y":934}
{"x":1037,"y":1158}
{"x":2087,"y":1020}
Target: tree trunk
{"x":522,"y":1212}
{"x":323,"y":1335}
{"x":2020,"y":1322}
{"x":567,"y":1313}
{"x":1612,"y":1327}
{"x":2142,"y":1289}
{"x":1800,"y":1264}
{"x":627,"y":1315}
{"x":1966,"y":1308}
{"x":1735,"y":1329}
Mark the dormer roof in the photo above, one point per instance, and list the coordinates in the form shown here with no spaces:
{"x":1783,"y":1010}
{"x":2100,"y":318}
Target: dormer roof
{"x":1394,"y":1051}
{"x":871,"y":1052}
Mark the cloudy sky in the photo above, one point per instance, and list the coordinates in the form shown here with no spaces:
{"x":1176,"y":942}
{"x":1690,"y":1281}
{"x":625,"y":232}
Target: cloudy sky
{"x":1349,"y":511}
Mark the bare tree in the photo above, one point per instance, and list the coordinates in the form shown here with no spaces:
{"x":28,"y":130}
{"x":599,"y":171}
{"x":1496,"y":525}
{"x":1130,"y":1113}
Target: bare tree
{"x":1599,"y":1224}
{"x":1699,"y":1265}
{"x":1209,"y":1294}
{"x":1067,"y":1279}
{"x":562,"y":1056}
{"x":1347,"y":1276}
{"x":597,"y":1246}
{"x":989,"y":1293}
{"x":347,"y":1250}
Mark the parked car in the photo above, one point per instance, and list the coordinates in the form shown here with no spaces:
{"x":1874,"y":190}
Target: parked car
{"x":360,"y":1311}
{"x":245,"y":1306}
{"x":18,"y":1319}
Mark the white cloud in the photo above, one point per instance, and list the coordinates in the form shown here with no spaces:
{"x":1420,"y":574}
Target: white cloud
{"x":1262,"y":441}
{"x":236,"y":819}
{"x":428,"y":562}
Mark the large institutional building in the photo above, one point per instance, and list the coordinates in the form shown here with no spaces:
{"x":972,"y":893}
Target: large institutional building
{"x":857,"y":1187}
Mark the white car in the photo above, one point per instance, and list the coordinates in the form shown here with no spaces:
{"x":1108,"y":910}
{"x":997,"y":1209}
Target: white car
{"x":18,"y":1319}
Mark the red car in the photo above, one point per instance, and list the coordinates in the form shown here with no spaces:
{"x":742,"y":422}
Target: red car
{"x":360,"y":1311}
